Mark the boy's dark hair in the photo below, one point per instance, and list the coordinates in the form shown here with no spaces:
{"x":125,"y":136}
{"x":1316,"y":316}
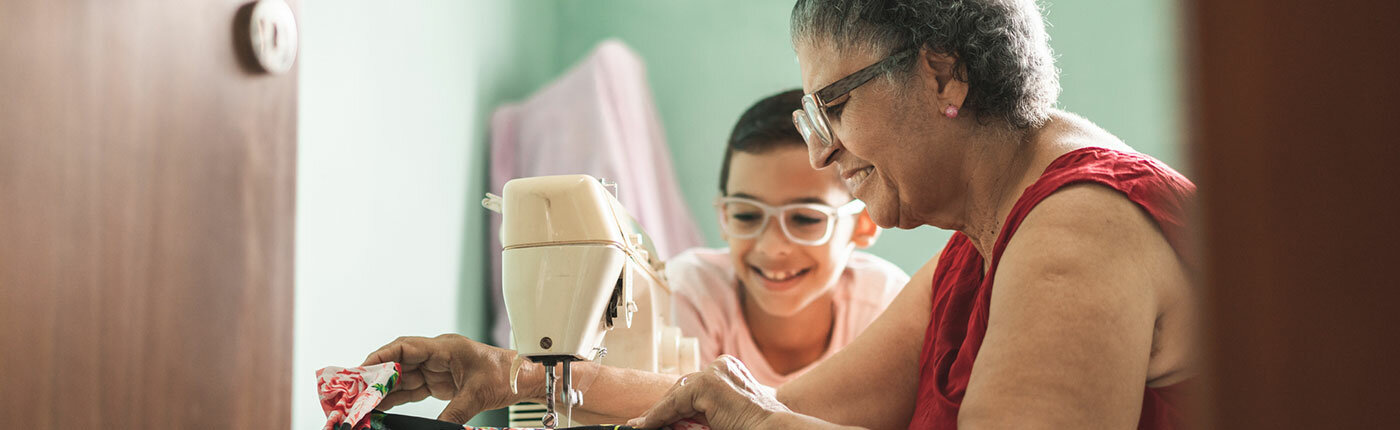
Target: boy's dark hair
{"x":766,"y":126}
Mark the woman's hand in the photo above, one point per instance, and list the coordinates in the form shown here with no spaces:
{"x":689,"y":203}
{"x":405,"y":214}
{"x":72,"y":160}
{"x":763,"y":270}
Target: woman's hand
{"x":470,"y":375}
{"x":723,"y":396}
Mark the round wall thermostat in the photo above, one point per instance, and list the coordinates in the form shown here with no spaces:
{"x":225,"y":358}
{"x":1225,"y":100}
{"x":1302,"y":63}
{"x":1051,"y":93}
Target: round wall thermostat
{"x":273,"y":33}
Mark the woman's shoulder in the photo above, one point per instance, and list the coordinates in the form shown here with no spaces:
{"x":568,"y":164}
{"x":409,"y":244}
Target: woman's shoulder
{"x":1076,"y":152}
{"x":1066,"y":131}
{"x":1082,"y":182}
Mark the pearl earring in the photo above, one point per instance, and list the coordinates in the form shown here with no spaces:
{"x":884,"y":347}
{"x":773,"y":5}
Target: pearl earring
{"x":950,"y":111}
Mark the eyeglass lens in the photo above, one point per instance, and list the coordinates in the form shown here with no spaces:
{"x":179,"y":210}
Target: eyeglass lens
{"x":804,"y":126}
{"x":814,"y":123}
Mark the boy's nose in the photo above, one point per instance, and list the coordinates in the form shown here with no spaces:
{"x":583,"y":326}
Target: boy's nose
{"x":772,"y":241}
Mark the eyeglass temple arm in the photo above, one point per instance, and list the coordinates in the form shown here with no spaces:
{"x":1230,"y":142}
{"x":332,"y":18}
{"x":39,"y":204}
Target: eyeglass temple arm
{"x":852,"y":207}
{"x":848,"y":83}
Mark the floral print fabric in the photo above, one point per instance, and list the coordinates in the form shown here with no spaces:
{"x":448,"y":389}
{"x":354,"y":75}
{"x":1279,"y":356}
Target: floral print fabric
{"x":349,"y":395}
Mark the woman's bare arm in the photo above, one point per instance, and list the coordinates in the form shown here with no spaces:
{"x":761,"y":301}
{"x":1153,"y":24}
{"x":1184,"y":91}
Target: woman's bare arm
{"x":1071,"y":322}
{"x":872,"y":381}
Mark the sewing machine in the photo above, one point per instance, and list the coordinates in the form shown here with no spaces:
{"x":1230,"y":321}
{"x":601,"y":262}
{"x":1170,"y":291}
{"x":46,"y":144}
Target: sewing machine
{"x":582,"y":281}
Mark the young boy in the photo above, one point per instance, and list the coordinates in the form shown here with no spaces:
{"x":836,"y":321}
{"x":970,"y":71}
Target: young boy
{"x":791,"y":289}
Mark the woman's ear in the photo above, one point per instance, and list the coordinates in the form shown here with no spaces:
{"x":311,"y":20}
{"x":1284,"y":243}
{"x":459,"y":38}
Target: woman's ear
{"x":866,"y":231}
{"x":944,"y":72}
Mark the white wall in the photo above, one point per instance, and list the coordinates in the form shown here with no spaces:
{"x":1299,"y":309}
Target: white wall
{"x":393,"y":101}
{"x":381,"y":180}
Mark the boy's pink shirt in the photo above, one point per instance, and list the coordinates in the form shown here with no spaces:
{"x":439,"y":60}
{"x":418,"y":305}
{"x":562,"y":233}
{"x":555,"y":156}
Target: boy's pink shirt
{"x":706,"y":298}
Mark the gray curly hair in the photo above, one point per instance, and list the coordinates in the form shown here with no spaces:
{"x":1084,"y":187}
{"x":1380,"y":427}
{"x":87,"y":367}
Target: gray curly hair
{"x":1000,"y":47}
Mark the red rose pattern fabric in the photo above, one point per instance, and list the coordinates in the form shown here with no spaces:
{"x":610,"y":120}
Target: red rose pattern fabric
{"x":349,"y":395}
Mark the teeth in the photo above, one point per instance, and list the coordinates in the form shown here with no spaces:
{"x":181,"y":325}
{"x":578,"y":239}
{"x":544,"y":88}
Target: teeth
{"x":860,"y":176}
{"x":779,"y":276}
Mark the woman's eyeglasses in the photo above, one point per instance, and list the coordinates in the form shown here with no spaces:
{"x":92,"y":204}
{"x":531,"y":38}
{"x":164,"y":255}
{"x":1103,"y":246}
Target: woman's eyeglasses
{"x":809,"y":224}
{"x":811,"y":120}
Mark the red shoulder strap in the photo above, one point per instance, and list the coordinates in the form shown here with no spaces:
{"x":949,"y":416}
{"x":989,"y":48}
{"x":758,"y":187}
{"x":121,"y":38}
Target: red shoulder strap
{"x":1164,"y":193}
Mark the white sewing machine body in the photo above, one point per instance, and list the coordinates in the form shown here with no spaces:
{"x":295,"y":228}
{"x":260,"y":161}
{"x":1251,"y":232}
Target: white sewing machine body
{"x":579,"y":277}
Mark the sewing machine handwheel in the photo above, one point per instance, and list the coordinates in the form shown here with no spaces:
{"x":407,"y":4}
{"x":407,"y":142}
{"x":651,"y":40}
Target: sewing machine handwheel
{"x":611,"y":313}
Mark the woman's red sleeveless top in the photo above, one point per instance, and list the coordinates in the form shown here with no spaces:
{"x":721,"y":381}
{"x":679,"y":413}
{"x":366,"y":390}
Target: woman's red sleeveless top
{"x":962,"y":292}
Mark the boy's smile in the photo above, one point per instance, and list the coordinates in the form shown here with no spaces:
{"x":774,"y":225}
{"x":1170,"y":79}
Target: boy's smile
{"x":780,"y":280}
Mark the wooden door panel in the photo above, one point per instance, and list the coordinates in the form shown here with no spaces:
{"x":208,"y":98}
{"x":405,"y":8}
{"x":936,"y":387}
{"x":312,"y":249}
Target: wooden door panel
{"x":1294,"y":106}
{"x":147,"y":179}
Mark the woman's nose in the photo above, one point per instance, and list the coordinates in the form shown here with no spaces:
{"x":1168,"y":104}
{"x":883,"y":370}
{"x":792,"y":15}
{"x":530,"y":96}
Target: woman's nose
{"x":819,"y":153}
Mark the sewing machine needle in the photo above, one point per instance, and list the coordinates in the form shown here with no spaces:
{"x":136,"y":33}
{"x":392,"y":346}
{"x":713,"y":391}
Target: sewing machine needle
{"x":548,"y":420}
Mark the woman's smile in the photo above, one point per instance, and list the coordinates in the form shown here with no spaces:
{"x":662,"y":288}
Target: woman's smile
{"x":855,"y":178}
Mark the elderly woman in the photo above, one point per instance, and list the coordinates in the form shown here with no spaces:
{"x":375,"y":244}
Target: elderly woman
{"x":1062,"y":301}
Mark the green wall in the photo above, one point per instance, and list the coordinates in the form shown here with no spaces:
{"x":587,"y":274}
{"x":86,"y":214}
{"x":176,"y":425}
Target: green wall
{"x":1119,"y":67}
{"x":707,"y":61}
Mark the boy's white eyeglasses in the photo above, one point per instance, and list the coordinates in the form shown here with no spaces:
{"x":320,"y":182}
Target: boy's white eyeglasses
{"x":809,"y":224}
